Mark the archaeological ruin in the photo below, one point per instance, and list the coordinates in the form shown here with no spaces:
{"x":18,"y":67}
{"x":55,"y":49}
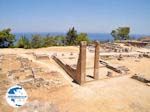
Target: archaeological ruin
{"x":79,"y":73}
{"x":69,"y":71}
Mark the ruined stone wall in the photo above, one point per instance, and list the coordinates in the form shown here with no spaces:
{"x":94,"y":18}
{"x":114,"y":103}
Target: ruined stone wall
{"x":41,"y":56}
{"x":71,"y":71}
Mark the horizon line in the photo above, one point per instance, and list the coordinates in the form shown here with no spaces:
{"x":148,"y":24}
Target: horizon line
{"x":82,"y":32}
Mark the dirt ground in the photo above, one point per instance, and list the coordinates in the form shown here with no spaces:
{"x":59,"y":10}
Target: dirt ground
{"x":63,"y":95}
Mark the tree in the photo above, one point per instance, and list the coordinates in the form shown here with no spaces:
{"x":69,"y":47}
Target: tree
{"x":122,"y":33}
{"x":60,"y":40}
{"x":82,"y":37}
{"x":23,"y":42}
{"x":37,"y":41}
{"x":71,"y":37}
{"x":6,"y":38}
{"x":49,"y":41}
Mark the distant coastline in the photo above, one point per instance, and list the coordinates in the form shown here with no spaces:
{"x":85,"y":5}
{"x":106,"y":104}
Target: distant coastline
{"x":92,"y":36}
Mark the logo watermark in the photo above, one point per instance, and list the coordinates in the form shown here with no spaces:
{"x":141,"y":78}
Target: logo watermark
{"x":16,"y":96}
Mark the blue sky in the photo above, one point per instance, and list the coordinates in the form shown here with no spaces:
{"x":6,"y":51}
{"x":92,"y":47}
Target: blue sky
{"x":95,"y":16}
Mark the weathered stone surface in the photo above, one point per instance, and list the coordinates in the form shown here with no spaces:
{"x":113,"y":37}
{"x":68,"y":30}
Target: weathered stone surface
{"x":41,"y":56}
{"x":71,"y":71}
{"x":120,"y":69}
{"x":120,"y":57}
{"x":141,"y":78}
{"x":148,"y":84}
{"x":109,"y":74}
{"x":96,"y":60}
{"x":81,"y":65}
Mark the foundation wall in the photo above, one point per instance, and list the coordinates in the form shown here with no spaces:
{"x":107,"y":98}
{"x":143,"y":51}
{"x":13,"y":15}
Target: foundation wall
{"x":71,"y":71}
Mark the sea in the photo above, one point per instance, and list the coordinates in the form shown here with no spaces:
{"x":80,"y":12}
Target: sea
{"x":92,"y":36}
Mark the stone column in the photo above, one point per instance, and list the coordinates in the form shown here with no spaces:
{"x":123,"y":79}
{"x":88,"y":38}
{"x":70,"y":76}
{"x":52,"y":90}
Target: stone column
{"x":81,"y":65}
{"x":96,"y":60}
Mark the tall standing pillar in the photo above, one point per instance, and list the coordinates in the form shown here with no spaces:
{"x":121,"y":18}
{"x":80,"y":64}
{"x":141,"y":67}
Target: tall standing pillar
{"x":81,"y":65}
{"x":96,"y":60}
